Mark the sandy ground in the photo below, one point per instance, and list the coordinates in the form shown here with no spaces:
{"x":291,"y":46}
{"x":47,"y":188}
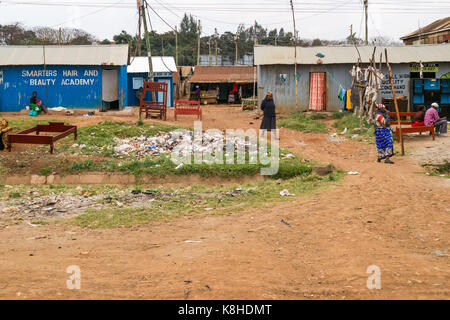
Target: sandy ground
{"x":391,"y":216}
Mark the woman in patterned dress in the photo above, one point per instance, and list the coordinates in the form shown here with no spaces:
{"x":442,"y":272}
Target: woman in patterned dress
{"x":383,"y":134}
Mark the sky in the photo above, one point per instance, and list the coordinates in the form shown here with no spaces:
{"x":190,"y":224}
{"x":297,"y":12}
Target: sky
{"x":324,"y":19}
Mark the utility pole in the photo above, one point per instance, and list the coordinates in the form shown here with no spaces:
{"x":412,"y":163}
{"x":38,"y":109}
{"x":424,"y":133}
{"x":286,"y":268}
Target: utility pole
{"x":295,"y":57}
{"x":147,"y":43}
{"x":351,"y":34}
{"x":216,"y":36}
{"x":59,"y":36}
{"x":139,"y":30}
{"x":237,"y":39}
{"x":209,"y":51}
{"x":366,"y":8}
{"x":176,"y":46}
{"x":198,"y":43}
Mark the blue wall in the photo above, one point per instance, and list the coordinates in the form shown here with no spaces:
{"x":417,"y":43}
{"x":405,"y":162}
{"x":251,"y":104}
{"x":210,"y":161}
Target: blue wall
{"x":67,"y":86}
{"x":132,"y":101}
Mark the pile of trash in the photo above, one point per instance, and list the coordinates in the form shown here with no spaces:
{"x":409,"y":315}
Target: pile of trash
{"x":166,"y":143}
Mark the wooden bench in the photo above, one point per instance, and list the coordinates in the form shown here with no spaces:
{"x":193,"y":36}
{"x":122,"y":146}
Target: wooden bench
{"x":408,"y":129}
{"x":27,"y":138}
{"x":187,"y":108}
{"x":154,"y":107}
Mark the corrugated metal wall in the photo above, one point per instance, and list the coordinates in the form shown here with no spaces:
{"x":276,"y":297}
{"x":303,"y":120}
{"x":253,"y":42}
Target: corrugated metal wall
{"x":66,"y":86}
{"x":132,"y":100}
{"x":280,"y":79}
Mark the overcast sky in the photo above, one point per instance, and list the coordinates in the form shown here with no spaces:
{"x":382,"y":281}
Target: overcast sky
{"x":325,"y":19}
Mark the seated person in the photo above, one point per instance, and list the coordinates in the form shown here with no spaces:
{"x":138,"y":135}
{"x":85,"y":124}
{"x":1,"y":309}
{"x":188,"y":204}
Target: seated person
{"x":36,"y":103}
{"x":419,"y":117}
{"x":432,"y":118}
{"x":139,"y":94}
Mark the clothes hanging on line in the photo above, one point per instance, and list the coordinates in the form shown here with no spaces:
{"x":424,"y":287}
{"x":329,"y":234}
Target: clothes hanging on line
{"x":348,"y":104}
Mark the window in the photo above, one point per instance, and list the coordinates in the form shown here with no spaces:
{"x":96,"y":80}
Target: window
{"x":138,"y":83}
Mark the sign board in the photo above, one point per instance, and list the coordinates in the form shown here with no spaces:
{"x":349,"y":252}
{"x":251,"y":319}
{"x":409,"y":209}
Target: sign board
{"x":427,"y":67}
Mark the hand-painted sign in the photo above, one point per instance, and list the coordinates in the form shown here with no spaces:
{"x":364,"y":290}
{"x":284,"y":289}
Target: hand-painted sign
{"x":60,"y":77}
{"x":427,"y":67}
{"x":401,"y":81}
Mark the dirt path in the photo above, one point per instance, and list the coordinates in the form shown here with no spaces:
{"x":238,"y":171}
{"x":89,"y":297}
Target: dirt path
{"x":388,"y":216}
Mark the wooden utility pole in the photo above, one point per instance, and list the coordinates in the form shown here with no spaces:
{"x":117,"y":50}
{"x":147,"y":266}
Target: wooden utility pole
{"x":59,"y":36}
{"x":147,"y":43}
{"x":216,"y":36}
{"x":176,"y":46}
{"x":236,"y":41}
{"x":209,"y":51}
{"x":139,"y":30}
{"x":295,"y":57}
{"x":198,"y":43}
{"x":351,"y":34}
{"x":366,"y":9}
{"x":395,"y":103}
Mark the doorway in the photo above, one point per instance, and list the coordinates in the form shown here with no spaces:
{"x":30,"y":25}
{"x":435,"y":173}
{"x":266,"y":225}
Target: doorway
{"x":317,"y":91}
{"x":110,"y":88}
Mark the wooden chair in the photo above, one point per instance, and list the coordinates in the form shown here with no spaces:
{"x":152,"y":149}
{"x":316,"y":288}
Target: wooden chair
{"x":155,"y":107}
{"x":187,"y":108}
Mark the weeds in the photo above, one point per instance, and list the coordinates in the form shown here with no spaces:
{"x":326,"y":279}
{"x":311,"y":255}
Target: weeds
{"x":300,"y":122}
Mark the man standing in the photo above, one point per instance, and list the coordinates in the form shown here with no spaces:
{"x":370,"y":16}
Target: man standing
{"x":432,"y":118}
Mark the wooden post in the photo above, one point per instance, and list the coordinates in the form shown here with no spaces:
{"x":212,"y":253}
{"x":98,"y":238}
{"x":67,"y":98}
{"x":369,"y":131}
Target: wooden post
{"x":395,"y":103}
{"x":198,"y":43}
{"x":295,"y":58}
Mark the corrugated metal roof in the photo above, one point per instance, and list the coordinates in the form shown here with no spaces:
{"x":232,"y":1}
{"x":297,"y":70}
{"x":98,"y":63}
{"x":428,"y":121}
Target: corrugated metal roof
{"x":223,"y":74}
{"x":347,"y":54}
{"x":436,"y":26}
{"x":64,"y":55}
{"x":160,"y":64}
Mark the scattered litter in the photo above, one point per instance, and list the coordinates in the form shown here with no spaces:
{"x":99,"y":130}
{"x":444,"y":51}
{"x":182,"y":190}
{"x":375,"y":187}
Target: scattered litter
{"x":136,"y":191}
{"x":179,"y":166}
{"x":345,"y":131}
{"x":355,"y":136}
{"x":440,"y":253}
{"x":238,"y":189}
{"x":285,"y":223}
{"x":285,"y":193}
{"x":192,"y":241}
{"x":353,"y":173}
{"x":209,"y":209}
{"x":300,"y":143}
{"x":335,"y":138}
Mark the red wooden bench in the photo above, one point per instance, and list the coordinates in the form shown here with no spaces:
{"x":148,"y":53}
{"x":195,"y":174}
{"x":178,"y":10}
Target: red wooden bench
{"x":187,"y":108}
{"x":155,"y":107}
{"x":408,"y":129}
{"x":27,"y":138}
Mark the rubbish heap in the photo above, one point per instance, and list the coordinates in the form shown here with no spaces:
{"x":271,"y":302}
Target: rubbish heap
{"x":166,"y":143}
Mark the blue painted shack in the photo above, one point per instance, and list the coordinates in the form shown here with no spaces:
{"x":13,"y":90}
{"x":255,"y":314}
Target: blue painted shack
{"x":88,"y":76}
{"x":163,"y":70}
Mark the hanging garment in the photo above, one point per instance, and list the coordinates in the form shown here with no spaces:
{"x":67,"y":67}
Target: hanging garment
{"x":344,"y":100}
{"x":341,"y":93}
{"x":348,"y":104}
{"x":317,"y":91}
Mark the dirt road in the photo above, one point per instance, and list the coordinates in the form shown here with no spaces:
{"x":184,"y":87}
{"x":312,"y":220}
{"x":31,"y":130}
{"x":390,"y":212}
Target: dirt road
{"x":389,"y":216}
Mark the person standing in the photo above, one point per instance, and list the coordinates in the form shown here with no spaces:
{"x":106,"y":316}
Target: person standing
{"x":269,"y":121}
{"x":383,"y":134}
{"x":197,"y":93}
{"x":432,"y":118}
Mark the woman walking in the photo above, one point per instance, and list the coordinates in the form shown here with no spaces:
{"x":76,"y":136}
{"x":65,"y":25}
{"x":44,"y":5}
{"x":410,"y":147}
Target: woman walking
{"x":383,"y":134}
{"x":269,"y":121}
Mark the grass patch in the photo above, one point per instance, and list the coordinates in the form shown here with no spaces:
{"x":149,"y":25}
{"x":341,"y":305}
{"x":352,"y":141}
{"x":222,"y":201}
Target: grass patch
{"x":338,"y":115}
{"x":45,"y":171}
{"x":194,"y":201}
{"x":351,"y":122}
{"x":318,"y":116}
{"x":300,"y":122}
{"x":442,"y":169}
{"x":26,"y":123}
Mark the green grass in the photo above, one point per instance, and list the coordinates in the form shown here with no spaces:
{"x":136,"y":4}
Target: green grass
{"x":26,"y":123}
{"x":164,"y":166}
{"x":300,"y":122}
{"x":3,"y":169}
{"x":338,"y":115}
{"x":194,"y":201}
{"x":45,"y":171}
{"x":318,"y":116}
{"x":351,"y":122}
{"x":439,"y":169}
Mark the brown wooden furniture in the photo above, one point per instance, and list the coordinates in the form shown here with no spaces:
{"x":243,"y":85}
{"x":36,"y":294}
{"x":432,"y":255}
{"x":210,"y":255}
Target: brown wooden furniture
{"x":25,"y":136}
{"x":154,"y":107}
{"x":187,"y":108}
{"x":409,"y":129}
